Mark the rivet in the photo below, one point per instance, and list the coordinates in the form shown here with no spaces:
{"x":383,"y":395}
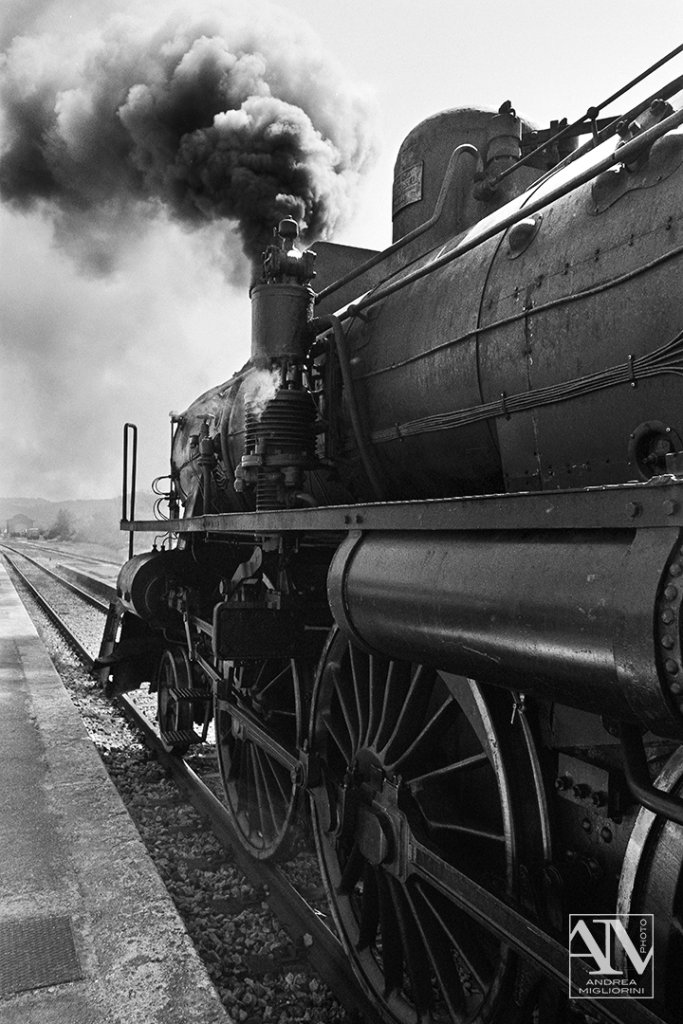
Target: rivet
{"x":668,"y":616}
{"x":675,"y":569}
{"x":667,"y":641}
{"x":675,"y":687}
{"x":671,"y":593}
{"x":605,"y":835}
{"x":586,"y":825}
{"x":671,"y":666}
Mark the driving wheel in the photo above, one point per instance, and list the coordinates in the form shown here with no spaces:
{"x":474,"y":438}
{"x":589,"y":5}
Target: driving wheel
{"x":422,"y":773}
{"x":260,"y":782}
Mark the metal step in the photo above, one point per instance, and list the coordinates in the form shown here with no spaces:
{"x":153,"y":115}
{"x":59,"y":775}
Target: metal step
{"x":180,"y":738}
{"x":183,"y":693}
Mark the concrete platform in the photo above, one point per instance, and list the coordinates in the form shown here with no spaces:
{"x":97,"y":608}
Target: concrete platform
{"x":88,"y":933}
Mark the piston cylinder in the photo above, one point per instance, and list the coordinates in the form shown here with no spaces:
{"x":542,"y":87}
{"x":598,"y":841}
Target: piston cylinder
{"x":567,"y":616}
{"x":144,"y":579}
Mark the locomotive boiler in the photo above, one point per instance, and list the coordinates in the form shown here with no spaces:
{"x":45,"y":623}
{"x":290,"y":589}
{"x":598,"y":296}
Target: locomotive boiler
{"x":428,"y":575}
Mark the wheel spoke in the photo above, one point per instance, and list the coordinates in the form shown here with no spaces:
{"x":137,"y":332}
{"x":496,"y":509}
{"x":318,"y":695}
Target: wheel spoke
{"x":263,"y":690}
{"x":462,"y":934}
{"x":278,"y":773}
{"x":466,"y":762}
{"x":465,"y":830}
{"x":413,"y":699}
{"x":376,"y":692}
{"x":359,"y":675}
{"x":411,"y":713}
{"x":276,"y":712}
{"x":425,"y":734}
{"x":342,"y":740}
{"x":265,"y":808}
{"x":348,"y":710}
{"x":414,"y":953}
{"x":396,"y":688}
{"x":439,"y":946}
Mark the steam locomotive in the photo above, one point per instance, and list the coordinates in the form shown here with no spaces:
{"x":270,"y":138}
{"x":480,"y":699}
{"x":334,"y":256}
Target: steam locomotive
{"x":426,"y":574}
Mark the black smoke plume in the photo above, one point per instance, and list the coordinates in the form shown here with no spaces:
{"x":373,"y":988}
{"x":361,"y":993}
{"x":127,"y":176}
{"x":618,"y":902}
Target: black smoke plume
{"x":201,"y":117}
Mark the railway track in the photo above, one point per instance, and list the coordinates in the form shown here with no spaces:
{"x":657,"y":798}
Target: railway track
{"x":42,"y":549}
{"x":315,"y":943}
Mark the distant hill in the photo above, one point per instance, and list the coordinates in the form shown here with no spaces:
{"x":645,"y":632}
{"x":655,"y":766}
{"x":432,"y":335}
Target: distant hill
{"x":94,"y":520}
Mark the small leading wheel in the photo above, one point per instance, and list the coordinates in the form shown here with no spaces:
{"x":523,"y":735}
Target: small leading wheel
{"x":260,"y":784}
{"x":420,"y":775}
{"x":174,"y":711}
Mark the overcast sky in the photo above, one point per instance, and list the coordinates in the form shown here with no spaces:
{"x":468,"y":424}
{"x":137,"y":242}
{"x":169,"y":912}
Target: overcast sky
{"x":130,"y":313}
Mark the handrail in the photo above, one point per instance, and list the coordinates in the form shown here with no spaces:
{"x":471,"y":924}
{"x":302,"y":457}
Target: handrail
{"x":465,"y":149}
{"x":664,"y":93}
{"x":592,"y":113}
{"x":130,"y":440}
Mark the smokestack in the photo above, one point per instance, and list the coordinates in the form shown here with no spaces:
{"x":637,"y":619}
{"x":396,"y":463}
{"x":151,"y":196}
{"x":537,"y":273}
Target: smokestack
{"x":282,"y":301}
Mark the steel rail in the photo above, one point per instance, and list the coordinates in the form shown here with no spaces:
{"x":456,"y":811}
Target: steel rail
{"x":52,"y":614}
{"x":69,"y":554}
{"x":83,"y":594}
